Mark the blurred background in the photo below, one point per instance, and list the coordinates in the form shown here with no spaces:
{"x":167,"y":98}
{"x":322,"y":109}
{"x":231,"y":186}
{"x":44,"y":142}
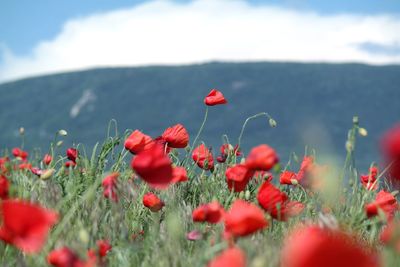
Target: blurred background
{"x":312,"y":65}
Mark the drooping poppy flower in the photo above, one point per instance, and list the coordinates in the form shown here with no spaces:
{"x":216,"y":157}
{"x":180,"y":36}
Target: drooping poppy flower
{"x":238,"y":177}
{"x":203,"y":157}
{"x":226,"y":150}
{"x":313,"y":246}
{"x":104,"y":247}
{"x":244,"y":218}
{"x":176,"y":136}
{"x":19,"y":153}
{"x":138,"y":142}
{"x":47,"y":159}
{"x":384,"y":201}
{"x":109,"y":184}
{"x":70,"y":163}
{"x":215,"y":97}
{"x":4,"y":187}
{"x":65,"y":257}
{"x":276,"y":203}
{"x":179,"y":174}
{"x":288,"y":177}
{"x":154,"y":167}
{"x":262,"y":158}
{"x":231,"y":257}
{"x":390,"y":146}
{"x":72,"y":154}
{"x":369,"y":180}
{"x":211,"y":213}
{"x":152,"y":202}
{"x":25,"y":225}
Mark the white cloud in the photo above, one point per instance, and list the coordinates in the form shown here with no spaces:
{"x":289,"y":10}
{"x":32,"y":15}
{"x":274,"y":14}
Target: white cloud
{"x":164,"y":32}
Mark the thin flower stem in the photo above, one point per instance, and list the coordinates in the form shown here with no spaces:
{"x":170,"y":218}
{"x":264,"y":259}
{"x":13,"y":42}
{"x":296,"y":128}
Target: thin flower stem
{"x":247,"y":120}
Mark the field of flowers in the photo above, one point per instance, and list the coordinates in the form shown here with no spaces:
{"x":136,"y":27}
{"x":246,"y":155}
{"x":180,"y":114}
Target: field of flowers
{"x":171,"y":200}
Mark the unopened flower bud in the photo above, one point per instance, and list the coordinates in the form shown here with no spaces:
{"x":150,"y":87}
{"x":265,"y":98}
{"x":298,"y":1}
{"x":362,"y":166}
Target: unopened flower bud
{"x":247,"y":195}
{"x":59,"y":143}
{"x":62,"y":132}
{"x":294,"y":182}
{"x":47,"y":174}
{"x":21,"y":131}
{"x":362,"y":132}
{"x":272,"y":122}
{"x":84,"y":236}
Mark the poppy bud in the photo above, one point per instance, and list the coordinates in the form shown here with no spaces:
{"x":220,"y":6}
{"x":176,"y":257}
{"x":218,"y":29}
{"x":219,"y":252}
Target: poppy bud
{"x":72,"y":154}
{"x":46,"y":174}
{"x":62,"y":132}
{"x":272,"y":122}
{"x":21,"y":131}
{"x":47,"y":159}
{"x":362,"y":131}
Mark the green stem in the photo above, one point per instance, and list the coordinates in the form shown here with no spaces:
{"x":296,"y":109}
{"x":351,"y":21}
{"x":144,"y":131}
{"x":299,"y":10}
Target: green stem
{"x":247,"y":120}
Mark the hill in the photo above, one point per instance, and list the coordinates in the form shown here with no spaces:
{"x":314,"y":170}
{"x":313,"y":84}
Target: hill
{"x":312,"y":103}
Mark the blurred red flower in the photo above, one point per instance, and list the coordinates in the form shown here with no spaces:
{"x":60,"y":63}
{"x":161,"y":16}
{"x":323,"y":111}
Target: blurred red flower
{"x":288,"y":177}
{"x":138,"y":142}
{"x":72,"y":154}
{"x":262,"y":158}
{"x":179,"y":174}
{"x":4,"y":187}
{"x":231,"y":257}
{"x":70,"y":163}
{"x":215,"y":97}
{"x":276,"y":203}
{"x":154,"y":167}
{"x":19,"y":153}
{"x":25,"y":225}
{"x":238,"y":177}
{"x":104,"y":247}
{"x":306,"y":168}
{"x":152,"y":202}
{"x":176,"y":136}
{"x":390,"y":235}
{"x":369,"y":180}
{"x":316,"y":247}
{"x":384,"y":201}
{"x":65,"y":257}
{"x":390,"y":146}
{"x":109,"y":184}
{"x":211,"y":213}
{"x":244,"y":218}
{"x":226,"y":150}
{"x":47,"y":159}
{"x":203,"y":157}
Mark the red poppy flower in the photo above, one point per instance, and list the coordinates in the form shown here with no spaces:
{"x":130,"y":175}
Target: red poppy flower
{"x":211,"y":213}
{"x":154,"y":167}
{"x":36,"y":171}
{"x":176,"y":136}
{"x":315,"y":247}
{"x":18,"y":153}
{"x":226,"y":150}
{"x":203,"y":157}
{"x":262,"y":158}
{"x":390,"y":235}
{"x":70,"y":163}
{"x":288,"y":177}
{"x":47,"y":159}
{"x":305,"y":168}
{"x":109,"y":184}
{"x":104,"y":247}
{"x":25,"y":225}
{"x":72,"y":154}
{"x":152,"y":202}
{"x":244,"y":218}
{"x":64,"y":257}
{"x":4,"y":187}
{"x":3,"y":167}
{"x":369,"y":180}
{"x":276,"y":203}
{"x":231,"y":257}
{"x":390,"y":145}
{"x":138,"y":142}
{"x":25,"y":166}
{"x":384,"y":201}
{"x":238,"y":177}
{"x":179,"y":174}
{"x":215,"y":97}
{"x":194,"y":235}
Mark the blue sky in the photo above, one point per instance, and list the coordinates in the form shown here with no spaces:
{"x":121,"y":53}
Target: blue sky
{"x":48,"y":36}
{"x":25,"y":22}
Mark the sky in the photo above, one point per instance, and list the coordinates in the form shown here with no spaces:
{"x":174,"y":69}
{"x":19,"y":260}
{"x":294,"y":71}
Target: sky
{"x":47,"y":36}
